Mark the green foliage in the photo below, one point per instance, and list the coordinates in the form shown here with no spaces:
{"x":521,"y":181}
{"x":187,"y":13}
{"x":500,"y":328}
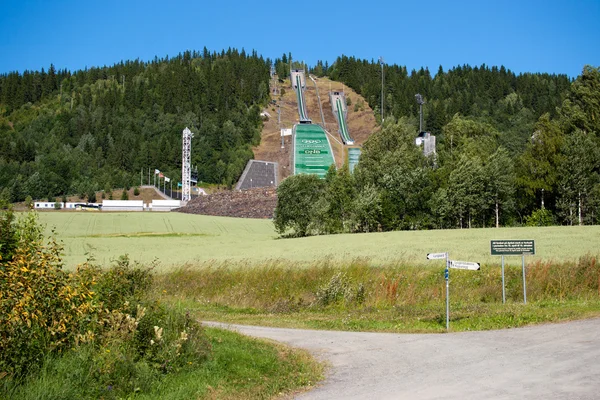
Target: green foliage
{"x":8,"y":236}
{"x":339,"y":288}
{"x":123,"y":340}
{"x":42,"y":308}
{"x":122,"y":283}
{"x":102,"y":132}
{"x":124,"y":195}
{"x":136,"y":191}
{"x":540,"y":217}
{"x":299,"y":205}
{"x":91,"y":196}
{"x":393,"y":296}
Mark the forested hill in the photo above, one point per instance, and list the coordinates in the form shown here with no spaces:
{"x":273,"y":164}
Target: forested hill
{"x":63,"y":132}
{"x":511,"y":103}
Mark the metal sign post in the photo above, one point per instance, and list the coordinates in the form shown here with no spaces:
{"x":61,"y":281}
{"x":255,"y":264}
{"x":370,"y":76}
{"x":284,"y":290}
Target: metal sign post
{"x":447,"y":276}
{"x":524,"y":285}
{"x":513,"y":248}
{"x":503,"y":285}
{"x":440,"y":256}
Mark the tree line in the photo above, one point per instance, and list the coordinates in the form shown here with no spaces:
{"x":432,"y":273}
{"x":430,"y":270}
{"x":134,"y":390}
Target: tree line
{"x":549,"y":173}
{"x":67,"y":132}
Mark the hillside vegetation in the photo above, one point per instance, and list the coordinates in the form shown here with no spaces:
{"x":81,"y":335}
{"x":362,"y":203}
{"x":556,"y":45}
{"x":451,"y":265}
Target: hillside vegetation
{"x":63,"y":132}
{"x":511,"y":150}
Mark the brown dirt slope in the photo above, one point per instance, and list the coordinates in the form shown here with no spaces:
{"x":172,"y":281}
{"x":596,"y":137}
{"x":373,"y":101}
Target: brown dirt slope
{"x":251,"y":203}
{"x":361,"y":123}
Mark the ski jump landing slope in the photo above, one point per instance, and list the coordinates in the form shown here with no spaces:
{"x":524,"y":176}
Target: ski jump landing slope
{"x":312,"y":151}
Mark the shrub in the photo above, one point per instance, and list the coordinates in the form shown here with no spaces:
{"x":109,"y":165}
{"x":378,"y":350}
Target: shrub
{"x":124,"y":340}
{"x":41,"y":306}
{"x":540,"y":217}
{"x":124,"y":195}
{"x":57,"y":205}
{"x":122,"y":283}
{"x":8,"y":236}
{"x":91,"y":196}
{"x":136,"y":191}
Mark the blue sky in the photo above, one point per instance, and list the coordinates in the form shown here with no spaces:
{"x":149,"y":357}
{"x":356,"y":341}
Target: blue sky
{"x":524,"y":36}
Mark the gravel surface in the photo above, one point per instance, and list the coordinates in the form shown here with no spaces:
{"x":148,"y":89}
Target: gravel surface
{"x":554,"y":361}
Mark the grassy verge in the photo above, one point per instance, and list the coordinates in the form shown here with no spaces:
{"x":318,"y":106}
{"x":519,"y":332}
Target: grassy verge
{"x":239,"y":368}
{"x":392,"y":298}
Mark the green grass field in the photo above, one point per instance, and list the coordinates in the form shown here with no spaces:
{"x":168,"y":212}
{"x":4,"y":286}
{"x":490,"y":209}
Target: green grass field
{"x":176,"y":239}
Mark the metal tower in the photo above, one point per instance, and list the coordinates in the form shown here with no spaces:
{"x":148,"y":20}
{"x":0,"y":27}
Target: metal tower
{"x":421,"y":102}
{"x":186,"y":166}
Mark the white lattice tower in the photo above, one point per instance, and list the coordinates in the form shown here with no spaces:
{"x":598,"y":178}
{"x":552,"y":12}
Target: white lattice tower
{"x":186,"y":165}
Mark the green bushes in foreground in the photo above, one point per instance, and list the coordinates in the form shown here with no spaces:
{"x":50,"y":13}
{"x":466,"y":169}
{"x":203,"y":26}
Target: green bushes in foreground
{"x":97,"y":333}
{"x":102,"y":319}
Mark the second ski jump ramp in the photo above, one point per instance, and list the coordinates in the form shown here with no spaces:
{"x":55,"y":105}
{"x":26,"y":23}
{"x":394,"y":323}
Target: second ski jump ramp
{"x":338,"y":106}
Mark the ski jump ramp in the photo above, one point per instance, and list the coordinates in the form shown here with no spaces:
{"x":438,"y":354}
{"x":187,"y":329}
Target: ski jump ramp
{"x":339,"y":109}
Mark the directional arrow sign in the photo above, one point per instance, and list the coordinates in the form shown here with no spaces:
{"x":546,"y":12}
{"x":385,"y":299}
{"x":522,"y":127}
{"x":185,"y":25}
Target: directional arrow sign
{"x":465,"y":265}
{"x":436,"y":256}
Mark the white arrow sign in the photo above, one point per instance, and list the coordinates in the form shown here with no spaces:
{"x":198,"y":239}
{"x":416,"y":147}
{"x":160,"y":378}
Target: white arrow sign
{"x":436,"y":256}
{"x":465,"y":265}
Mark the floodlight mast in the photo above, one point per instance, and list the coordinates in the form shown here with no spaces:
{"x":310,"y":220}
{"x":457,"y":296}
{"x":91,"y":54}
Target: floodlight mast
{"x":421,"y":102}
{"x":381,"y":62}
{"x":186,"y":170}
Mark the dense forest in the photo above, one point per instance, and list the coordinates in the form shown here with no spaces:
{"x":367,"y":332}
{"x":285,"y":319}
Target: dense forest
{"x":99,"y":128}
{"x":511,"y":150}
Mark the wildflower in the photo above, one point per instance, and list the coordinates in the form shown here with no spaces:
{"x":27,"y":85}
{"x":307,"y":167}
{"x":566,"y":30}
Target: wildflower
{"x":158,"y":332}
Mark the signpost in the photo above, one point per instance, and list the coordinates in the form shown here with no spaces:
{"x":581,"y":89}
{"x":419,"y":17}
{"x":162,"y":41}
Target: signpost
{"x":437,"y":256}
{"x":513,"y":248}
{"x":473,"y":266}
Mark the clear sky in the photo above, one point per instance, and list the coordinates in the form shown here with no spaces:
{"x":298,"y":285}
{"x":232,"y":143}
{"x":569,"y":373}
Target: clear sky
{"x":525,"y":36}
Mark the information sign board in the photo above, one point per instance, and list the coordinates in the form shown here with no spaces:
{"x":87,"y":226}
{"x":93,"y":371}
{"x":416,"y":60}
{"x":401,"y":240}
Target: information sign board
{"x":512,"y":247}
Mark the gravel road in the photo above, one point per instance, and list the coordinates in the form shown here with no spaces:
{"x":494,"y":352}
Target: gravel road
{"x":554,"y":361}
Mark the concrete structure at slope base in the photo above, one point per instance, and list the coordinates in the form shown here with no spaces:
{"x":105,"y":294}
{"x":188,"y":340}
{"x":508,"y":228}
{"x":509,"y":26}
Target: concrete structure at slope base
{"x":258,"y":174}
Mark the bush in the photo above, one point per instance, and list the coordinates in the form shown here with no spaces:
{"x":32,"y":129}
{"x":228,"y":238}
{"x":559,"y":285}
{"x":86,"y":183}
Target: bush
{"x":42,"y":308}
{"x":136,"y":191}
{"x":104,"y":317}
{"x":91,"y":196}
{"x":124,"y":195}
{"x":540,"y":217}
{"x":299,"y":204}
{"x":122,"y":283}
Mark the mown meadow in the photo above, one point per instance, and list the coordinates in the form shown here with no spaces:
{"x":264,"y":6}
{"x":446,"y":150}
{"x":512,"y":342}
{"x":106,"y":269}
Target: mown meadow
{"x":175,"y":239}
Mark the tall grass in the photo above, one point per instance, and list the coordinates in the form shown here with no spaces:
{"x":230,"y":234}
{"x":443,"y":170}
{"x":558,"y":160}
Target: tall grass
{"x":394,"y":296}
